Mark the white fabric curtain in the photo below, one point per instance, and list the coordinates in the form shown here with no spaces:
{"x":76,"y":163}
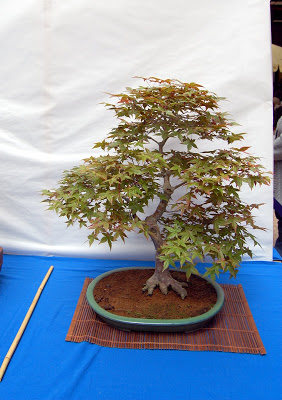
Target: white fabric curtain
{"x":60,"y":58}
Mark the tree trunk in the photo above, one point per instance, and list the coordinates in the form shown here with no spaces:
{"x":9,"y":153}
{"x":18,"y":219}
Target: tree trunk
{"x":161,"y":277}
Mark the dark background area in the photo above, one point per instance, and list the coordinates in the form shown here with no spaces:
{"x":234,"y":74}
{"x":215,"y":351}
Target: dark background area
{"x":276,"y":22}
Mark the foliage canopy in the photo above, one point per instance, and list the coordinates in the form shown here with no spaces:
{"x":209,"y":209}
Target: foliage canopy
{"x":150,"y":156}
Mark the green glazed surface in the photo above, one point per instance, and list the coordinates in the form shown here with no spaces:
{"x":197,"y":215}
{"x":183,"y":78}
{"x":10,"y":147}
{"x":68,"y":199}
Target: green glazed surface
{"x":157,"y":325}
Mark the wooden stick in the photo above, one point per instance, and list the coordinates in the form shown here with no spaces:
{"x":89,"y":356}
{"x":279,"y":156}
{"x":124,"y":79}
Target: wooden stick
{"x":23,"y":325}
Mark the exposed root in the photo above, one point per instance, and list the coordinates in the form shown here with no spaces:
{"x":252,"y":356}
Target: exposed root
{"x":164,"y":285}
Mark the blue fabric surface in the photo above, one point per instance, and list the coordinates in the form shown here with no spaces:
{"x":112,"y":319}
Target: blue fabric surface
{"x":46,"y":367}
{"x":276,"y":255}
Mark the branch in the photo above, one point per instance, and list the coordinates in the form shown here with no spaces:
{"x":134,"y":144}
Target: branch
{"x":161,"y":145}
{"x":149,"y":137}
{"x":167,"y":190}
{"x":178,"y":186}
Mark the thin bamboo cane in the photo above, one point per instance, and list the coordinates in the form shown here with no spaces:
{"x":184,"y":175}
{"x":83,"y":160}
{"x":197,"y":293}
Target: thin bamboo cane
{"x":23,"y":325}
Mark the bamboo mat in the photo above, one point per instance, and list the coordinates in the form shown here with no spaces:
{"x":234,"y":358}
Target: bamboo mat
{"x":232,"y":330}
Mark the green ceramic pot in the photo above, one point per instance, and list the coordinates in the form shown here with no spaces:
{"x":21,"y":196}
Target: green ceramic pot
{"x":154,"y":325}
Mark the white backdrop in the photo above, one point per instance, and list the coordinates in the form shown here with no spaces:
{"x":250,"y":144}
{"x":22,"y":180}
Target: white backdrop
{"x":58,"y":60}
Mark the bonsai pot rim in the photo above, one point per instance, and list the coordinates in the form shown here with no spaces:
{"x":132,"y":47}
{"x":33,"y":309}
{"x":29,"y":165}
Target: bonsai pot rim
{"x":156,"y":325}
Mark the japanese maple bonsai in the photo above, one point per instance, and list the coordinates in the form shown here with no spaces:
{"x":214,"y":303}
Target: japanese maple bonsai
{"x":152,"y":158}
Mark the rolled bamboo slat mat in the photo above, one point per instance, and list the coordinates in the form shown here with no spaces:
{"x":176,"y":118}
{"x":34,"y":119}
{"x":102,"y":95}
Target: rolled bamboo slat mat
{"x":232,"y":330}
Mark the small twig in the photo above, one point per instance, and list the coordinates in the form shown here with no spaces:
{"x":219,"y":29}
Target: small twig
{"x":150,"y":138}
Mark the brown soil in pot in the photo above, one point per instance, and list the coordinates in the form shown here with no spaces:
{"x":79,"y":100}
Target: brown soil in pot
{"x":121,"y":293}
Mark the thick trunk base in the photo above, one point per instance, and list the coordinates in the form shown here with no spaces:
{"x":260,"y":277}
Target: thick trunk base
{"x":164,"y":281}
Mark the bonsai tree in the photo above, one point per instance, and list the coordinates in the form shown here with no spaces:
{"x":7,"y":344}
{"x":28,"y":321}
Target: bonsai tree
{"x":195,"y":195}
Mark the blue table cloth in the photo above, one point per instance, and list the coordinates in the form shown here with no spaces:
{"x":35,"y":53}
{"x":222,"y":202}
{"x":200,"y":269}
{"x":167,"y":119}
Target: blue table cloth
{"x":46,"y":367}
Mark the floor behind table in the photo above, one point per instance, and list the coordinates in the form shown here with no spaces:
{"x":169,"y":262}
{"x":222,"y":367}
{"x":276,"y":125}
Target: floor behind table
{"x":45,"y":366}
